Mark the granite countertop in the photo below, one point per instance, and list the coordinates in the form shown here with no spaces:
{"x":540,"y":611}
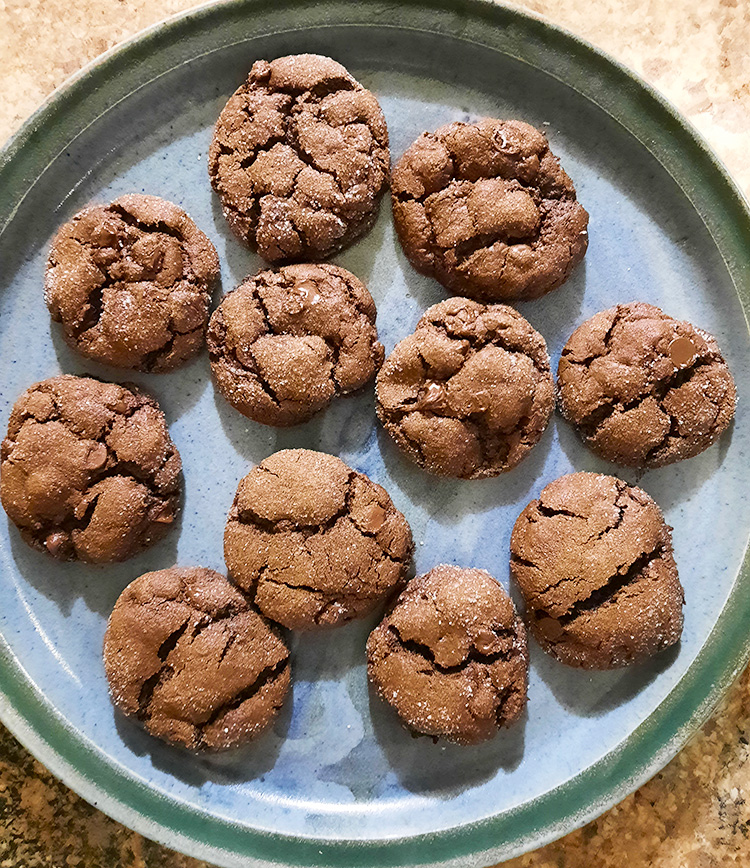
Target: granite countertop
{"x":694,"y":814}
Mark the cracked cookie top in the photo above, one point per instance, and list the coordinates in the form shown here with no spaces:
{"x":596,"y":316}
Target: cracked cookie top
{"x":285,"y":343}
{"x":314,"y":542}
{"x":89,"y":471}
{"x":300,"y":158}
{"x":643,"y":389}
{"x":486,"y":209}
{"x":131,"y":283}
{"x":188,"y":656}
{"x":593,"y":559}
{"x":470,"y":392}
{"x":451,"y":656}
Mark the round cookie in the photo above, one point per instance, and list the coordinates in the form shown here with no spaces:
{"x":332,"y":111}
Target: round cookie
{"x":316,"y":543}
{"x":89,"y":471}
{"x":643,"y":389}
{"x":593,"y":559}
{"x":469,"y":392}
{"x":131,"y":283}
{"x":300,"y":158}
{"x":285,"y":343}
{"x":486,"y":209}
{"x":451,"y":657}
{"x":188,"y":655}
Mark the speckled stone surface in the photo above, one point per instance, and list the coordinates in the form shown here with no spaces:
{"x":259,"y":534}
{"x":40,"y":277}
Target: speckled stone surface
{"x":692,"y":815}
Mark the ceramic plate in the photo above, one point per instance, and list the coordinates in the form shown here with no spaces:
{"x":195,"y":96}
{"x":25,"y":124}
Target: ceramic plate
{"x":338,"y":781}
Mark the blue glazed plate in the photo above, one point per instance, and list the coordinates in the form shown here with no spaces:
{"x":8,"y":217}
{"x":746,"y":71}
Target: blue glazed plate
{"x":338,"y":781}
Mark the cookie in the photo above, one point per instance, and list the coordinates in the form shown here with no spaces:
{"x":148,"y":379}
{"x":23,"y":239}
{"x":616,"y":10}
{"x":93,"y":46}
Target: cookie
{"x":88,"y":470}
{"x":486,"y":209}
{"x":593,"y":559}
{"x":469,"y":392}
{"x":300,"y":158}
{"x":285,"y":343}
{"x":187,"y":655}
{"x":314,"y":542}
{"x":451,"y":656}
{"x":643,"y":389}
{"x":131,"y":283}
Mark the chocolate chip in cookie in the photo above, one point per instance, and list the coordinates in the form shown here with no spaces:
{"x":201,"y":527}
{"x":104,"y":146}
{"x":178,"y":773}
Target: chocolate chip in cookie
{"x":285,"y":343}
{"x":89,"y":471}
{"x":300,"y":158}
{"x":131,"y":283}
{"x":486,"y":209}
{"x":451,"y":656}
{"x":593,"y":559}
{"x":316,"y":543}
{"x":644,"y":389}
{"x":188,"y":655}
{"x":470,"y":392}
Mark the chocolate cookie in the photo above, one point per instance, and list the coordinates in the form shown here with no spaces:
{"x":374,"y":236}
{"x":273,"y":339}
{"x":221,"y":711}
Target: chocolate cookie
{"x":284,"y":343}
{"x":486,"y":209}
{"x":644,"y":389}
{"x":316,"y":543}
{"x":300,"y":158}
{"x":470,"y":392}
{"x":131,"y":283}
{"x":187,"y":655}
{"x":88,"y":470}
{"x":451,"y":656}
{"x":593,"y":559}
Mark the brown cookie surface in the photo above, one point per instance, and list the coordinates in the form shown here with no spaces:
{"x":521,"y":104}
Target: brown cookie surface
{"x":593,"y":559}
{"x":486,"y":209}
{"x":451,"y":656}
{"x":89,"y":471}
{"x":285,"y":343}
{"x":131,"y":283}
{"x":644,"y":389}
{"x":188,"y":655}
{"x":470,"y":392}
{"x":300,"y":158}
{"x":316,"y":543}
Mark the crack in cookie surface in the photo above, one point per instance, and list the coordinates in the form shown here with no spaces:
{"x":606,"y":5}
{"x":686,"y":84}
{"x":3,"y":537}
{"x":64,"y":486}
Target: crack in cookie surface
{"x":470,"y":392}
{"x":593,"y":559}
{"x":89,"y":471}
{"x":314,"y":542}
{"x":285,"y":343}
{"x":131,"y":282}
{"x":300,"y":158}
{"x":450,"y":656}
{"x":188,"y":655}
{"x":486,"y":209}
{"x":644,"y":389}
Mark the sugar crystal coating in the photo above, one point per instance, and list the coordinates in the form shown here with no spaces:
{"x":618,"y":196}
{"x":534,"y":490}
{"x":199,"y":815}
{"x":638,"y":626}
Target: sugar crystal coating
{"x":300,"y":158}
{"x":89,"y":471}
{"x":131,"y":283}
{"x":314,"y":542}
{"x":450,"y":656}
{"x":188,"y":655}
{"x":593,"y":559}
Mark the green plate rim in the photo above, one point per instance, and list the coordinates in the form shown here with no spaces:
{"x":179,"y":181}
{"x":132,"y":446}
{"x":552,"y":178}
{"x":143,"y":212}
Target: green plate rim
{"x":679,"y":149}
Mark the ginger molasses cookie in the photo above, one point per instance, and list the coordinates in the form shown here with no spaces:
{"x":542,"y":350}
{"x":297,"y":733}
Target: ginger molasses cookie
{"x":89,"y":471}
{"x":131,"y":283}
{"x":486,"y":209}
{"x":469,"y":392}
{"x":285,"y":343}
{"x":314,"y":542}
{"x":451,"y":657}
{"x":300,"y":158}
{"x":593,"y":559}
{"x":188,"y":655}
{"x":644,"y":389}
